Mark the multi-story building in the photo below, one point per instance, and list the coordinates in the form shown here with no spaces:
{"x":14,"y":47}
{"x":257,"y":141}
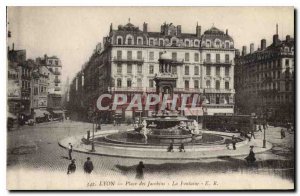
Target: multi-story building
{"x":129,"y":61}
{"x":264,"y":79}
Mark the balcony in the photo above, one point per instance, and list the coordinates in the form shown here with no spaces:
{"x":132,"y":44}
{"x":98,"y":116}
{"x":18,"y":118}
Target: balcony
{"x":128,"y":60}
{"x":57,"y":89}
{"x":166,"y":75}
{"x":217,"y":62}
{"x":188,"y":90}
{"x":57,"y":80}
{"x":26,"y":77}
{"x":126,"y":89}
{"x":213,"y":90}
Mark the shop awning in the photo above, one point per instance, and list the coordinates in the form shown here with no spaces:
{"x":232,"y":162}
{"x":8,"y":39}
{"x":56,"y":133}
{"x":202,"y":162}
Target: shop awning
{"x":197,"y":111}
{"x":58,"y":111}
{"x":11,"y":115}
{"x":40,"y":113}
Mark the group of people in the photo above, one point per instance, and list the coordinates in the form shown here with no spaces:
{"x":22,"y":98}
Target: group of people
{"x":88,"y":166}
{"x":180,"y":148}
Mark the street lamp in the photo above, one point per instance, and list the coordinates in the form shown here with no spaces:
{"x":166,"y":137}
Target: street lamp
{"x":93,"y":144}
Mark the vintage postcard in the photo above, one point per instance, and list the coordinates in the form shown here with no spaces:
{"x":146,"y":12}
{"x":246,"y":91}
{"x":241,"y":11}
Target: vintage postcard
{"x":150,"y":98}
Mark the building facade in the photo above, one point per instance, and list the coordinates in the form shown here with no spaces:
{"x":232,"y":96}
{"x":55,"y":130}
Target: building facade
{"x":129,"y":61}
{"x":264,"y":80}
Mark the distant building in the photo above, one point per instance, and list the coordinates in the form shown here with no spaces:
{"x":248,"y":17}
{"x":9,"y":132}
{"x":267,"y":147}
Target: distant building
{"x":128,"y":60}
{"x":264,"y":79}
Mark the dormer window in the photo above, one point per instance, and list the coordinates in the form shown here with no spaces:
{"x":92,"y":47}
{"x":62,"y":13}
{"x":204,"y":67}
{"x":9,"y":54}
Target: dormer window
{"x":151,"y":42}
{"x":187,"y":43}
{"x":208,"y":44}
{"x":119,"y":41}
{"x":161,"y":42}
{"x":196,"y":43}
{"x":129,"y":41}
{"x":218,"y":44}
{"x":140,"y":41}
{"x":174,"y":43}
{"x":227,"y":45}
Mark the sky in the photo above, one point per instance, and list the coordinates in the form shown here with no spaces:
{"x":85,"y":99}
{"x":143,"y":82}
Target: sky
{"x":71,"y":33}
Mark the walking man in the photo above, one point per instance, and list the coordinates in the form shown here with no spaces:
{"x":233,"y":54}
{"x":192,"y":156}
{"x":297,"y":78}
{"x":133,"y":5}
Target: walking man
{"x":233,"y":142}
{"x":139,"y":171}
{"x":71,"y":167}
{"x":282,"y":133}
{"x":181,"y":148}
{"x":259,"y":128}
{"x":88,"y":166}
{"x":70,"y":149}
{"x":252,"y":134}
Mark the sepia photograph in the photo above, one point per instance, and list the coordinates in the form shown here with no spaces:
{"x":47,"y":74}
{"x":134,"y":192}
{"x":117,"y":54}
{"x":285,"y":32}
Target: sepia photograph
{"x":150,"y":98}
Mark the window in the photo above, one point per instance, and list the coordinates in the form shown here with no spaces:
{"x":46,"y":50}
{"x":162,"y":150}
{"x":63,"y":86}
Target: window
{"x":187,"y":43}
{"x":174,"y":56}
{"x":129,"y":41}
{"x":56,"y":62}
{"x":208,"y":57}
{"x":139,"y":69}
{"x":151,"y":42}
{"x":207,"y":83}
{"x":226,"y":58}
{"x":196,"y":84}
{"x":287,"y":62}
{"x":186,"y":84}
{"x":278,"y":74}
{"x":186,"y":70}
{"x":208,"y":44}
{"x":174,"y":43}
{"x":227,"y":71}
{"x":287,"y":86}
{"x":151,"y":83}
{"x":174,"y":70}
{"x":129,"y":83}
{"x":196,"y":70}
{"x":140,"y":41}
{"x":208,"y":70}
{"x":139,"y":82}
{"x":119,"y":83}
{"x":50,"y":61}
{"x":129,"y":55}
{"x":218,"y":44}
{"x":119,"y":68}
{"x":218,"y":85}
{"x":139,"y":55}
{"x":227,"y":45}
{"x":151,"y":56}
{"x":160,"y":53}
{"x":218,"y":71}
{"x":151,"y":69}
{"x":161,"y":42}
{"x":218,"y":58}
{"x":119,"y":54}
{"x":129,"y":68}
{"x":119,"y":41}
{"x":196,"y":43}
{"x":226,"y":85}
{"x":187,"y":57}
{"x":196,"y":57}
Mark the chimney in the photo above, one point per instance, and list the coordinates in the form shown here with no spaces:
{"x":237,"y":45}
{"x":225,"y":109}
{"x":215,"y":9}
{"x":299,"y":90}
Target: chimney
{"x":263,"y":44}
{"x":251,"y":48}
{"x":198,"y":31}
{"x":288,"y":38}
{"x":13,"y":46}
{"x":244,"y":51}
{"x":275,"y":39}
{"x":178,"y":29}
{"x":145,"y":27}
{"x":226,"y":31}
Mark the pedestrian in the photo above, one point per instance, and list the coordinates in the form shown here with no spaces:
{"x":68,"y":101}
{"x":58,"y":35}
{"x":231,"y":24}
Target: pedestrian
{"x":251,"y":157}
{"x":70,"y":149}
{"x":233,"y":140}
{"x":181,"y":148}
{"x":139,"y":171}
{"x":88,"y":166}
{"x":282,"y":133}
{"x":114,"y":122}
{"x":170,"y":148}
{"x":71,"y":167}
{"x":252,"y":134}
{"x":259,"y":128}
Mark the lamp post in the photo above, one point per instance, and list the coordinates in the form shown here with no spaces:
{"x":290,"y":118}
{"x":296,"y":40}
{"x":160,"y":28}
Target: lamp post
{"x":93,"y":144}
